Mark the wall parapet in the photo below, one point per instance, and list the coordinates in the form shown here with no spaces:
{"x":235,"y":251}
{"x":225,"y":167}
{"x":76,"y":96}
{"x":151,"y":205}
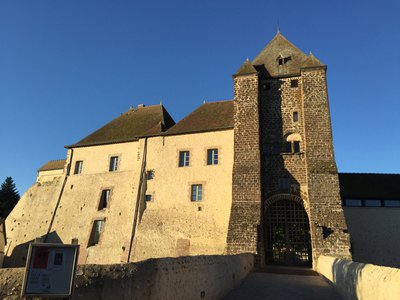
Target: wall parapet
{"x":189,"y":277}
{"x":360,"y":281}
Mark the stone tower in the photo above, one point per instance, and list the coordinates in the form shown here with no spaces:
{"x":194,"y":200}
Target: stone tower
{"x":284,"y":152}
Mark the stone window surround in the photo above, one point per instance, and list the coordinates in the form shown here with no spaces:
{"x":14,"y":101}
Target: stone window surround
{"x":178,"y":151}
{"x":206,"y":155}
{"x":111,"y":188}
{"x":119,"y":155}
{"x":100,"y":242}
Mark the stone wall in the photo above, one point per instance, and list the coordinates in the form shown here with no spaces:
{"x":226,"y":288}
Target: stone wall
{"x":197,"y":277}
{"x":374,"y":234}
{"x":246,"y":181}
{"x":360,"y":281}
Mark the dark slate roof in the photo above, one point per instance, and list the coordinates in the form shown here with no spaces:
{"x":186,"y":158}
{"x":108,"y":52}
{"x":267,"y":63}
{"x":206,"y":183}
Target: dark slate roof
{"x":369,"y":186}
{"x":246,"y":68}
{"x":135,"y":123}
{"x":53,"y":165}
{"x":266,"y":61}
{"x":208,"y":117}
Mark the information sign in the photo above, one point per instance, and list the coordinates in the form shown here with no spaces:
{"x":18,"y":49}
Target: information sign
{"x":50,"y":270}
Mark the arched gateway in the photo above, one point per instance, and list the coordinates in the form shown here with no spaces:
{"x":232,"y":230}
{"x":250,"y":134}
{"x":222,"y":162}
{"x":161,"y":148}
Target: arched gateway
{"x":287,"y":231}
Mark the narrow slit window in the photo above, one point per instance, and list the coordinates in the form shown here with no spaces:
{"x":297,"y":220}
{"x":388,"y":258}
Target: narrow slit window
{"x":295,"y":116}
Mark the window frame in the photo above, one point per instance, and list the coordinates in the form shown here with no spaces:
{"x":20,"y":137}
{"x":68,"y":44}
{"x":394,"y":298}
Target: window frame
{"x":211,"y":160}
{"x":114,"y":167}
{"x":196,"y":192}
{"x":90,"y":242}
{"x":99,"y":206}
{"x":78,"y":167}
{"x":183,"y":159}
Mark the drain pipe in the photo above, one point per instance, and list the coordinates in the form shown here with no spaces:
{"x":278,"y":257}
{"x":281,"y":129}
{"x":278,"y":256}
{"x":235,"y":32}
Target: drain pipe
{"x":59,"y":196}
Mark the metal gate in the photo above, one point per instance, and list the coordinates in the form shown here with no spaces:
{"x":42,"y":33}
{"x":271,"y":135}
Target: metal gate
{"x":287,"y":234}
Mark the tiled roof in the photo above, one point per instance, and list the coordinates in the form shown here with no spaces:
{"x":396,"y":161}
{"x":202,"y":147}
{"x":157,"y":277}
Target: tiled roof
{"x":53,"y":165}
{"x":142,"y":121}
{"x":266,"y":61}
{"x":369,"y":186}
{"x":208,"y":117}
{"x":246,"y":68}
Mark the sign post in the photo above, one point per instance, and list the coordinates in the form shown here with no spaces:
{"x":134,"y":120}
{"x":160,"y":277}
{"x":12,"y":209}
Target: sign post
{"x":50,"y":270}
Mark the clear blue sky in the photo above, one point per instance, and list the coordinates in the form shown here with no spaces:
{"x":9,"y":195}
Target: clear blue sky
{"x":69,"y":67}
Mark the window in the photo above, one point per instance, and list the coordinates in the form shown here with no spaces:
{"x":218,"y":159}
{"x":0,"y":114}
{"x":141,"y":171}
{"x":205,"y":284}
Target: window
{"x":352,"y":202}
{"x":212,"y":157}
{"x":96,"y":231}
{"x":295,"y":116}
{"x":113,"y":164}
{"x":392,"y":203}
{"x":104,"y":199}
{"x":183,"y":158}
{"x":284,"y":60}
{"x":372,"y":203}
{"x":292,"y":144}
{"x":294,"y":83}
{"x":197,"y":192}
{"x":78,"y":167}
{"x":150,"y":175}
{"x":148,"y":198}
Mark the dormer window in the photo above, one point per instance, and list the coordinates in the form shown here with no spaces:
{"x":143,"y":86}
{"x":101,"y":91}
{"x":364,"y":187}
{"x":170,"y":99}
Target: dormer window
{"x":284,"y":60}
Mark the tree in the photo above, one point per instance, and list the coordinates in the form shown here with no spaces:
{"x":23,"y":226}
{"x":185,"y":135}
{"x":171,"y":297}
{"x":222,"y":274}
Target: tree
{"x":9,"y":197}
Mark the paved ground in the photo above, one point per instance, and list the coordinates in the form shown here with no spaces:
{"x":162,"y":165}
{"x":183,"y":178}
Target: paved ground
{"x":296,"y":285}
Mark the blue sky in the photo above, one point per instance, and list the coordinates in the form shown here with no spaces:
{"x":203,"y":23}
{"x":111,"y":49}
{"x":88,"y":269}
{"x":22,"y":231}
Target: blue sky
{"x":69,"y":67}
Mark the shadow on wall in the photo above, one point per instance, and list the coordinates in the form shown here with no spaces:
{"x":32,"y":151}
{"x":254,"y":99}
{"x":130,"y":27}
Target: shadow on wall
{"x":19,"y":254}
{"x":346,"y":275}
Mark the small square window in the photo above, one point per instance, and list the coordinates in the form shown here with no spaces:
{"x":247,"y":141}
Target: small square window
{"x":150,"y":175}
{"x":113,"y":164}
{"x":104,"y":199}
{"x":95,"y":233}
{"x":184,"y":158}
{"x":197,"y":192}
{"x":294,"y":83}
{"x":295,"y":116}
{"x":149,"y":198}
{"x":212,"y":157}
{"x":78,"y":167}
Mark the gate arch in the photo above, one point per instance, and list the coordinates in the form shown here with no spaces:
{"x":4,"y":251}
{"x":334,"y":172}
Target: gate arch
{"x":287,"y":231}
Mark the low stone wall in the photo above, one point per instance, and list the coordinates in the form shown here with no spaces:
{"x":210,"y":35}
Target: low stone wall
{"x":361,"y":281}
{"x":190,"y":277}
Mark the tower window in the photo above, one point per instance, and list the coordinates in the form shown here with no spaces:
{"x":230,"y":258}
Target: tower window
{"x":150,"y":175}
{"x":294,"y":83}
{"x":78,"y":167}
{"x":284,"y":60}
{"x":148,"y":198}
{"x":184,"y":158}
{"x":295,"y":116}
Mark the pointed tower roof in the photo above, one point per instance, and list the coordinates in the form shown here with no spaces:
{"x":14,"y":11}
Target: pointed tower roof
{"x":281,"y":58}
{"x":246,"y":68}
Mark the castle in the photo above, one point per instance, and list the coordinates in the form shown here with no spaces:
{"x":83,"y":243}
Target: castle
{"x":254,"y":174}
